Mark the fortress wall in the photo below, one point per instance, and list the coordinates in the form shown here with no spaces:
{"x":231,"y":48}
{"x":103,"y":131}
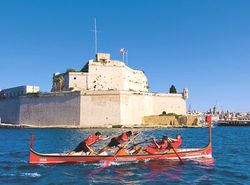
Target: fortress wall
{"x":171,"y":103}
{"x":114,"y":75}
{"x":105,"y":76}
{"x":78,"y":80}
{"x":50,"y":110}
{"x":9,"y":110}
{"x":134,"y":106}
{"x":90,"y":108}
{"x":135,"y":80}
{"x":100,"y":109}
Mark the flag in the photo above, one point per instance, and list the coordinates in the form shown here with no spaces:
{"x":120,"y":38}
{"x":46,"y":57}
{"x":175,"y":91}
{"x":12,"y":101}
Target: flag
{"x":208,"y":119}
{"x":123,"y":51}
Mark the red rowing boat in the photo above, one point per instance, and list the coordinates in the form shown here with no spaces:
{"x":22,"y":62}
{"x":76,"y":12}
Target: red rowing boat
{"x":184,"y":153}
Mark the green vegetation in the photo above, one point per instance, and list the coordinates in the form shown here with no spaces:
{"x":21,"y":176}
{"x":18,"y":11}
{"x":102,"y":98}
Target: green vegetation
{"x":37,"y":94}
{"x":163,"y":113}
{"x":70,"y":70}
{"x":170,"y":114}
{"x":58,"y":82}
{"x":172,"y":89}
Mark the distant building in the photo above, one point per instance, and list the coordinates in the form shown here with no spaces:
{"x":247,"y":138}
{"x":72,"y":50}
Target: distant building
{"x":18,"y":91}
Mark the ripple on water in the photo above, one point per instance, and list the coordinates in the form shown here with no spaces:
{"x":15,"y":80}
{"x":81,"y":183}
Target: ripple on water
{"x":30,"y":174}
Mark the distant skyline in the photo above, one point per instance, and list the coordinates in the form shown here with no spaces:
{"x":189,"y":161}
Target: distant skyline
{"x":201,"y":45}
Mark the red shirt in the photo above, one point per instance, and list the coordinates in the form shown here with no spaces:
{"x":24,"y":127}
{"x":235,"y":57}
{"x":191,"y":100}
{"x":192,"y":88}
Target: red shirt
{"x":152,"y":149}
{"x":177,"y":144}
{"x":162,"y":145}
{"x":91,"y":140}
{"x":122,"y":138}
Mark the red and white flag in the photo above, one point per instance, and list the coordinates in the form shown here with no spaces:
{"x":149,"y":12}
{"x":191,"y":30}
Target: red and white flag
{"x":123,"y":51}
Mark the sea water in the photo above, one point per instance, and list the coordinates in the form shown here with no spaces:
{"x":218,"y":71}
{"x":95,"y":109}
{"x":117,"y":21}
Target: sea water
{"x":230,"y":165}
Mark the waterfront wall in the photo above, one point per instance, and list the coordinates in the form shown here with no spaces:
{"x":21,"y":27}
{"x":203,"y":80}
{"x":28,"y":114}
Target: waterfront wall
{"x":100,"y":109}
{"x":103,"y":108}
{"x":89,"y":108}
{"x":134,"y":106}
{"x":10,"y":110}
{"x":52,"y":109}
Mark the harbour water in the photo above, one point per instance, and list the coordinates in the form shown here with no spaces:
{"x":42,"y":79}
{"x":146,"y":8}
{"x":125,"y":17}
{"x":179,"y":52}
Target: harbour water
{"x":230,"y":165}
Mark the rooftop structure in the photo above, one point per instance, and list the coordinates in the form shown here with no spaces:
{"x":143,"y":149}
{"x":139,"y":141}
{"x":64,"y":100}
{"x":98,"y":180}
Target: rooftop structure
{"x":101,"y":74}
{"x":19,"y":91}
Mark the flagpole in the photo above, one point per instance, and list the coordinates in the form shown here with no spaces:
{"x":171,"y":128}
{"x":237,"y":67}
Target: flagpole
{"x":127,"y":58}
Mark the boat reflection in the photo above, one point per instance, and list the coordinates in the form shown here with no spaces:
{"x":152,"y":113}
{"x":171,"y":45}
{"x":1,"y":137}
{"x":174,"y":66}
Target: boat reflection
{"x":145,"y":171}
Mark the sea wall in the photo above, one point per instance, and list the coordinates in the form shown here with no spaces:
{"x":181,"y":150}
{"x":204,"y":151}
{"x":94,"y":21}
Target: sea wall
{"x":100,"y":109}
{"x":103,"y":108}
{"x":10,"y":110}
{"x":51,"y":109}
{"x":170,"y":103}
{"x":134,"y":106}
{"x":89,"y":108}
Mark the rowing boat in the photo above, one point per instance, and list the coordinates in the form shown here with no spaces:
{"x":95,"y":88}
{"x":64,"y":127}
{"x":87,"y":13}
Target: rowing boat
{"x":184,"y":153}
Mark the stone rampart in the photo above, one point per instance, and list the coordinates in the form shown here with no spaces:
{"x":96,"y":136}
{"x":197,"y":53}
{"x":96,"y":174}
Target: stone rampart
{"x":89,"y":108}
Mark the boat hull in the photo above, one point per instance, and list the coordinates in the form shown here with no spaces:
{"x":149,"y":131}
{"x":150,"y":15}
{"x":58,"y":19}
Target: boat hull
{"x":38,"y":158}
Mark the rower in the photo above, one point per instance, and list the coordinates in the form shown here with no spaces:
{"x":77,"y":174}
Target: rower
{"x":157,"y":147}
{"x":176,"y":143}
{"x":84,"y":146}
{"x":117,"y":141}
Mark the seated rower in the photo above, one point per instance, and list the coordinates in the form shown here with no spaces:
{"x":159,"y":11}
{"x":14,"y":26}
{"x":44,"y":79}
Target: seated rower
{"x":117,"y":141}
{"x":157,"y":147}
{"x":84,"y":146}
{"x":176,"y":143}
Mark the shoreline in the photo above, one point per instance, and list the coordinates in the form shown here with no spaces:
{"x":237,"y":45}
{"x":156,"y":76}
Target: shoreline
{"x":5,"y":125}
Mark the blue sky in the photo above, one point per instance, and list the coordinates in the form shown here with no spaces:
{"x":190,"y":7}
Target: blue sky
{"x":201,"y":45}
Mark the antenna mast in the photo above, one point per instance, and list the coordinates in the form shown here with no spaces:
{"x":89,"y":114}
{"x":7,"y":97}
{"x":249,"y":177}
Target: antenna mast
{"x":95,"y":37}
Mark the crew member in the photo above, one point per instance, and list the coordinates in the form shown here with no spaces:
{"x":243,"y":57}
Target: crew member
{"x":157,"y":147}
{"x":84,"y":146}
{"x":176,"y":143}
{"x":117,"y":141}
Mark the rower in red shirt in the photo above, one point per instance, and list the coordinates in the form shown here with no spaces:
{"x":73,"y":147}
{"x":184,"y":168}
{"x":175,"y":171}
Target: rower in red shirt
{"x":117,"y":141}
{"x":84,"y":146}
{"x":176,"y":143}
{"x":158,"y":147}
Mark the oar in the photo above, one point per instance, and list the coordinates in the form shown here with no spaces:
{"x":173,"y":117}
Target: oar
{"x":131,"y":140}
{"x":145,"y":141}
{"x":169,"y":142}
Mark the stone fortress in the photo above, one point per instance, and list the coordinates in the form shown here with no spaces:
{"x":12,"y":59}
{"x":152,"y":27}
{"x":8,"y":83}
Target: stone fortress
{"x":104,"y":93}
